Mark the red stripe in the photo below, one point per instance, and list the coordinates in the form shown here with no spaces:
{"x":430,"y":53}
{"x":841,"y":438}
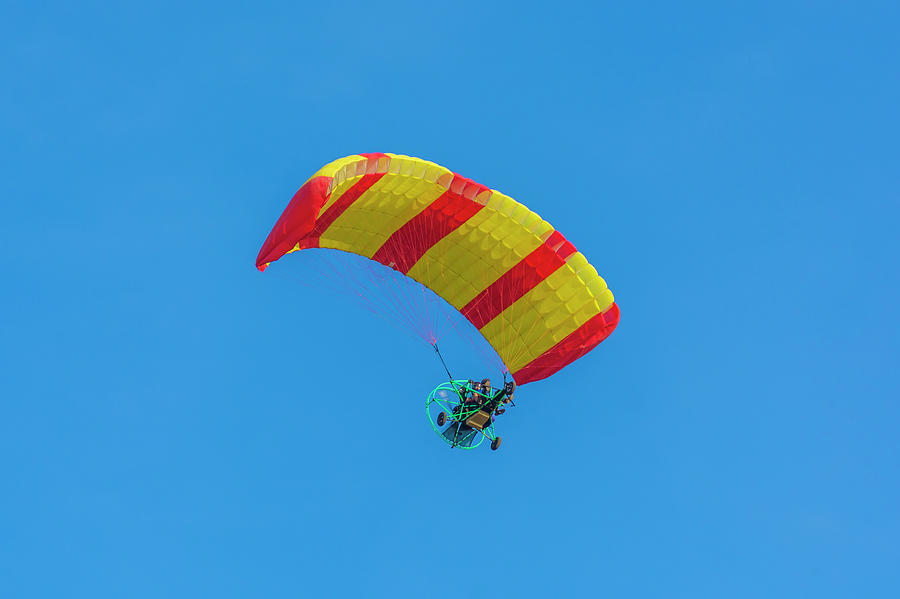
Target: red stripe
{"x":580,"y":342}
{"x":326,"y":219}
{"x":440,"y":218}
{"x":518,"y":280}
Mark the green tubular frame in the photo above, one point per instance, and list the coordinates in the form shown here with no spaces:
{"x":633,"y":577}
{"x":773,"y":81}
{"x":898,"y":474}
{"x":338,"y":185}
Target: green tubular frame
{"x":455,"y":389}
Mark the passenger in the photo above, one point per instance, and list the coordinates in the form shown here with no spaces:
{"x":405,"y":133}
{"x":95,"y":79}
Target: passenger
{"x":485,"y":390}
{"x":473,"y":396}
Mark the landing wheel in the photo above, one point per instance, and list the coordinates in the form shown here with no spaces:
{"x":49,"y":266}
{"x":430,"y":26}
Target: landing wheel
{"x":495,"y":443}
{"x":441,"y":419}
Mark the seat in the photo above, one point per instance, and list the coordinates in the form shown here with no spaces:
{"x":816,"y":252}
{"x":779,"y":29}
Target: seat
{"x":478,"y":419}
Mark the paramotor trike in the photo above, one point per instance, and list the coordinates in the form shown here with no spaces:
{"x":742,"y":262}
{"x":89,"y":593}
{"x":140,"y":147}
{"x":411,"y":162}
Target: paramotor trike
{"x":462,"y":415}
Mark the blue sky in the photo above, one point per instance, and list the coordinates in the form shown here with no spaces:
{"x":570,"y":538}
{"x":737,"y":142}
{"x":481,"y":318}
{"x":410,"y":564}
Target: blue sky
{"x":176,"y":424}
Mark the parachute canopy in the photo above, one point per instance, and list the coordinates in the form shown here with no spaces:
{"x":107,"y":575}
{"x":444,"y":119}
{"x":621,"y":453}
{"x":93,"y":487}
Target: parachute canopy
{"x":533,"y":297}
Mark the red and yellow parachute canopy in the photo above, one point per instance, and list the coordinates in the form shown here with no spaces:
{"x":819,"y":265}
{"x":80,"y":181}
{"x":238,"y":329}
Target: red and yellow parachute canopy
{"x":535,"y":298}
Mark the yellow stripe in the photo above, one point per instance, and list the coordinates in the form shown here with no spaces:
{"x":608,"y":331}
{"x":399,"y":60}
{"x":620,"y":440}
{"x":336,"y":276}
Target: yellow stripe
{"x":469,"y":259}
{"x":330,"y":169}
{"x":385,"y":207}
{"x":344,"y":173}
{"x":548,"y":313}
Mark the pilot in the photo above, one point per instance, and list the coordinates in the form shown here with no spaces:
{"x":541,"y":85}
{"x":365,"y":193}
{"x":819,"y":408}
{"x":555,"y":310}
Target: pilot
{"x":507,"y":395}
